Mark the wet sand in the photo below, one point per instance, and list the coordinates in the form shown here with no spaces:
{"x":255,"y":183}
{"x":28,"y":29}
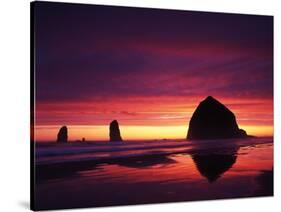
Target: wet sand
{"x":175,"y":173}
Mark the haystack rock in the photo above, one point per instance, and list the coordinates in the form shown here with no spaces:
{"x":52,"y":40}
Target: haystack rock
{"x":213,"y":120}
{"x":62,"y":135}
{"x":114,"y":131}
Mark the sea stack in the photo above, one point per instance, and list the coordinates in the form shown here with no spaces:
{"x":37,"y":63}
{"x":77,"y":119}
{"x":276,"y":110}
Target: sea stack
{"x":114,"y":131}
{"x":213,"y":120}
{"x":62,"y":135}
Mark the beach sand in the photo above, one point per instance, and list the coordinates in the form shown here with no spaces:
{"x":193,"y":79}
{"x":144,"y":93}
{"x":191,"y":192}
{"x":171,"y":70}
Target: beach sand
{"x":96,"y":174}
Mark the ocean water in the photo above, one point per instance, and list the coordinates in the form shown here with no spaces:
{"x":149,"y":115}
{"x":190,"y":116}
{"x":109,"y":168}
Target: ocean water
{"x":95,"y":174}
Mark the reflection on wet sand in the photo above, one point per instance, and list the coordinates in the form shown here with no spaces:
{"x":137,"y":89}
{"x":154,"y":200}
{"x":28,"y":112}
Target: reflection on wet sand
{"x":200,"y":174}
{"x":214,"y":163}
{"x":265,"y":182}
{"x":145,"y":161}
{"x":58,"y":171}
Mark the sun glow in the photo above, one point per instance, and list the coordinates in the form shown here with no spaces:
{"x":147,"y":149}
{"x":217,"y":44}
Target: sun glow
{"x":143,"y":118}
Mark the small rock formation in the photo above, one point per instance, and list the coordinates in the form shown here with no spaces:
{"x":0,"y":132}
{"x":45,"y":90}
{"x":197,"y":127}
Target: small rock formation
{"x":114,"y":132}
{"x":62,"y":135}
{"x":213,"y":120}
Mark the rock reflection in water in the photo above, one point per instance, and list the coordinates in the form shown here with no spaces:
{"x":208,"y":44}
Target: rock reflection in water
{"x":214,"y":163}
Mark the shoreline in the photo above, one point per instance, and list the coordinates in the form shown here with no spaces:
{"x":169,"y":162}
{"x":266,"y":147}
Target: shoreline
{"x":97,"y":156}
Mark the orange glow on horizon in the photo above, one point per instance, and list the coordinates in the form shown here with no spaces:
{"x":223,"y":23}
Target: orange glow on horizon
{"x":101,"y":132}
{"x":143,"y":118}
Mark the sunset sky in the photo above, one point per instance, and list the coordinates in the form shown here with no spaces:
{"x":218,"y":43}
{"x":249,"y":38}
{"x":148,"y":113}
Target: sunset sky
{"x":149,"y":69}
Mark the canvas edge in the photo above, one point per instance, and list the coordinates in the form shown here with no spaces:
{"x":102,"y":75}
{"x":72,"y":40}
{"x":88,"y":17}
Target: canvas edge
{"x":32,"y":102}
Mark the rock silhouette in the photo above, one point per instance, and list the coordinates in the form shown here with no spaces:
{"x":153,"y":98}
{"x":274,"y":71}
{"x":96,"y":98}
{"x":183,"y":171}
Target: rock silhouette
{"x":213,"y":120}
{"x":214,"y":164}
{"x":114,"y":131}
{"x":62,"y":135}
